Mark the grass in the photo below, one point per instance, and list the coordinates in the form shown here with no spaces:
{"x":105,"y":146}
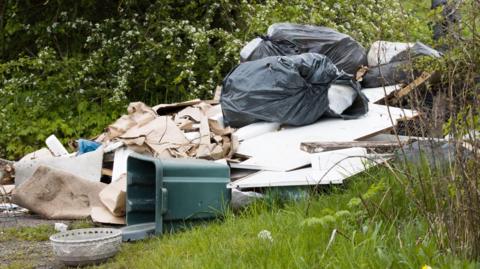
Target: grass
{"x":37,"y":233}
{"x":81,"y":224}
{"x":364,"y":238}
{"x":17,"y":265}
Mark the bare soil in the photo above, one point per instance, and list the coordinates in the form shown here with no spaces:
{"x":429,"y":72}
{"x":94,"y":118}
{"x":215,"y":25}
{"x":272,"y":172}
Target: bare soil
{"x":18,"y":253}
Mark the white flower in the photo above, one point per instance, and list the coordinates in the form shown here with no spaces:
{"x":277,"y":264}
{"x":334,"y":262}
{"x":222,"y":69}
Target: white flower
{"x":265,"y":235}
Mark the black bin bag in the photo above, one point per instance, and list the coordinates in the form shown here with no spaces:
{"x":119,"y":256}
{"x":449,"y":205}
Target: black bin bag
{"x":291,"y":39}
{"x":398,"y":69}
{"x":290,"y":90}
{"x":386,"y":74}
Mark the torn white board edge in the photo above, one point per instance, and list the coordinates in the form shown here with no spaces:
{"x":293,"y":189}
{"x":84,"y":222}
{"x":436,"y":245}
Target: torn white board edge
{"x":296,"y":160}
{"x":255,"y":129}
{"x":335,"y":174}
{"x":120,"y":163}
{"x":302,"y":177}
{"x":55,"y":146}
{"x":87,"y":166}
{"x":376,"y":94}
{"x":325,"y":160}
{"x":112,"y":146}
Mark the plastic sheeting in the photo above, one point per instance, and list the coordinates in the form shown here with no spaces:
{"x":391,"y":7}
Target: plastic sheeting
{"x":288,"y":89}
{"x":388,"y":62}
{"x":293,"y":39}
{"x":386,"y":74}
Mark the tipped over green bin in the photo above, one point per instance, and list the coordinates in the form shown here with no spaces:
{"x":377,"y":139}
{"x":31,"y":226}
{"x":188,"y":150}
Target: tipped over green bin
{"x":175,"y":190}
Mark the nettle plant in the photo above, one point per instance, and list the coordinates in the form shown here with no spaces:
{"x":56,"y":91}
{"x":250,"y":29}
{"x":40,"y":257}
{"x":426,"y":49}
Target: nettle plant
{"x":71,"y":69}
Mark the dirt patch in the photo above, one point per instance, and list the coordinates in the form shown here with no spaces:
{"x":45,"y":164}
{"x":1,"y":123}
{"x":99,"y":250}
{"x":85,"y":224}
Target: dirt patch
{"x":26,"y":220}
{"x":28,"y":254}
{"x":19,"y":253}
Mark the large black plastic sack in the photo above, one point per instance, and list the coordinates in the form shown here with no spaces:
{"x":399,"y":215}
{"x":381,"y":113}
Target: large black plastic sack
{"x":286,"y":89}
{"x":292,"y":39}
{"x":417,"y":50}
{"x":386,"y":74}
{"x":396,"y":71}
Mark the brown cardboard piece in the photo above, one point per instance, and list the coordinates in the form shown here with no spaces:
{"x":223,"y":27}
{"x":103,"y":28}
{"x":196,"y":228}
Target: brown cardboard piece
{"x":145,"y":132}
{"x":138,"y":115}
{"x":191,"y":112}
{"x":161,"y":135}
{"x":113,"y":196}
{"x":100,"y":214}
{"x":55,"y":194}
{"x":6,"y":189}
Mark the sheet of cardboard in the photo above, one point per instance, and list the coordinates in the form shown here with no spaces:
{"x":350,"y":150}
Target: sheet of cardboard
{"x":100,"y":214}
{"x":113,"y":196}
{"x":55,"y":194}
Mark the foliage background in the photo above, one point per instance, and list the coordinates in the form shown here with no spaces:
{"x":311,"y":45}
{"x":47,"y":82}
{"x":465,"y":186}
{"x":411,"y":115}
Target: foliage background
{"x":69,"y":68}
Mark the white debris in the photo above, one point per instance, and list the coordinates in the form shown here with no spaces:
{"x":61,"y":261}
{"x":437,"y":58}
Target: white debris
{"x":265,"y":235}
{"x":61,"y":227}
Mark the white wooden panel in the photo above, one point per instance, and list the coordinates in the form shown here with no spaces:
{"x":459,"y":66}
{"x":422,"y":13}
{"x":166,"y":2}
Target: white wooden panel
{"x":377,"y":94}
{"x":303,"y":177}
{"x":280,"y":151}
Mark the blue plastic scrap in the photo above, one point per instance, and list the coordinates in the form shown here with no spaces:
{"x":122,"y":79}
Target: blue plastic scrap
{"x":85,"y":146}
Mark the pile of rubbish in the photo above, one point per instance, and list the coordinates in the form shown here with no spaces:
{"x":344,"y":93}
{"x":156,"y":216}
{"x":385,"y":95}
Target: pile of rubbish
{"x":299,"y":110}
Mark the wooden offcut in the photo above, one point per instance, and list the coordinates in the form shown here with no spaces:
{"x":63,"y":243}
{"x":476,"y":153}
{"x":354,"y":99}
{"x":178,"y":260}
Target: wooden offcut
{"x":410,"y":87}
{"x":316,"y":147}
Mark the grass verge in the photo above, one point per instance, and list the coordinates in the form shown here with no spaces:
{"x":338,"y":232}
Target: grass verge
{"x":37,"y":233}
{"x":343,"y":229}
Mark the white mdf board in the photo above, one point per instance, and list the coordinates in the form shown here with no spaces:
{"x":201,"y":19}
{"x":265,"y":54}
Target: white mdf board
{"x":303,"y":177}
{"x":120,"y":163}
{"x":87,"y":166}
{"x":280,"y":151}
{"x":255,"y":129}
{"x":377,"y":94}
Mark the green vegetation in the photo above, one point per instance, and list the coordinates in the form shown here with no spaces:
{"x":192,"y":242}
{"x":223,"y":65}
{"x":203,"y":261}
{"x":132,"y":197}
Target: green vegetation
{"x":71,"y":67}
{"x":17,"y":265}
{"x":81,"y":224}
{"x":37,"y":233}
{"x":376,"y":226}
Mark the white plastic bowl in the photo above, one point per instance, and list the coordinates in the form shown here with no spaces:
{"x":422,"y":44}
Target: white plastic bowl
{"x":86,"y":246}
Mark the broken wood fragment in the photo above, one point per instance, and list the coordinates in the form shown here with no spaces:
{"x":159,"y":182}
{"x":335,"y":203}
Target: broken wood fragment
{"x":316,"y":147}
{"x":360,"y":73}
{"x":107,"y":172}
{"x":410,"y":87}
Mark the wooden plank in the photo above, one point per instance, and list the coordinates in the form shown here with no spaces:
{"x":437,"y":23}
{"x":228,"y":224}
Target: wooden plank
{"x":410,"y":87}
{"x":316,"y":147}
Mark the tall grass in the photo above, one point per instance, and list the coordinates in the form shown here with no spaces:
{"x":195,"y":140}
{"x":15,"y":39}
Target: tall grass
{"x":337,"y":233}
{"x":444,"y":185}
